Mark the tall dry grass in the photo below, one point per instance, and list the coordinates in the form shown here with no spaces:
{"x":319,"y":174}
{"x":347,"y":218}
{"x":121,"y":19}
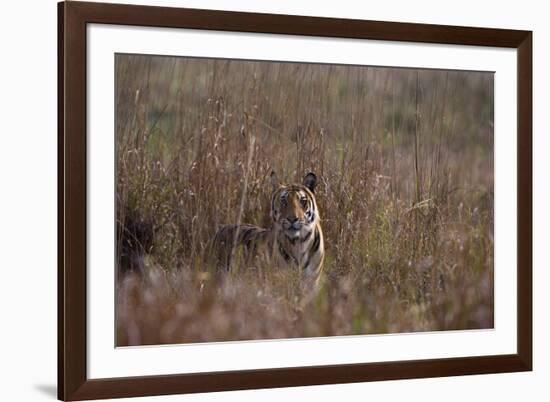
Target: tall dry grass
{"x":405,"y":162}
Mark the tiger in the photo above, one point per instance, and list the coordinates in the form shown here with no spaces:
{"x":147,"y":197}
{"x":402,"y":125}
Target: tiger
{"x":294,"y":239}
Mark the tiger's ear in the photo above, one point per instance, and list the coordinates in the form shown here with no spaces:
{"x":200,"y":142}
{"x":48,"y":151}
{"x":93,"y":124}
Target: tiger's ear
{"x":274,"y":180}
{"x":310,"y":181}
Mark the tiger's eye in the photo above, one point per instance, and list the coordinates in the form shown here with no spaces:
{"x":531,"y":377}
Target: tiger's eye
{"x":303,"y":201}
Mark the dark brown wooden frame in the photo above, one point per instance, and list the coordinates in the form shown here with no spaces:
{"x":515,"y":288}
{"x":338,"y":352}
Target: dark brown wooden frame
{"x":73,"y":383}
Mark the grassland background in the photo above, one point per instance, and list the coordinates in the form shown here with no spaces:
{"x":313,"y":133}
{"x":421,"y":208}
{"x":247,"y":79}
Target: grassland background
{"x":405,"y":162}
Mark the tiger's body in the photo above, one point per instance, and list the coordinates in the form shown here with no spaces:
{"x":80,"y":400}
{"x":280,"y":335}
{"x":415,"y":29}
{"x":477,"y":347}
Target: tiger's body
{"x":295,"y":238}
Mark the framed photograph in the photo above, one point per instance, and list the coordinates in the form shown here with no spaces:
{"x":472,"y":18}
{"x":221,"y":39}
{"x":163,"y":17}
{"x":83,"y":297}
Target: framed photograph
{"x":252,"y":200}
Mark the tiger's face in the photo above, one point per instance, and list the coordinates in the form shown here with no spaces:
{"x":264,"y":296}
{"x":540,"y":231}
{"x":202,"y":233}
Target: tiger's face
{"x":293,"y":208}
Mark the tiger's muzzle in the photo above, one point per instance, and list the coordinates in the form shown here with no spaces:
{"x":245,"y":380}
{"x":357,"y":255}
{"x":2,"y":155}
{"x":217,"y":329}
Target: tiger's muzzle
{"x":293,"y":227}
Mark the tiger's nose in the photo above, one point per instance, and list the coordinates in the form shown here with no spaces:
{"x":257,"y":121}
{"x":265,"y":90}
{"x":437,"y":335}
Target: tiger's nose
{"x":294,"y":223}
